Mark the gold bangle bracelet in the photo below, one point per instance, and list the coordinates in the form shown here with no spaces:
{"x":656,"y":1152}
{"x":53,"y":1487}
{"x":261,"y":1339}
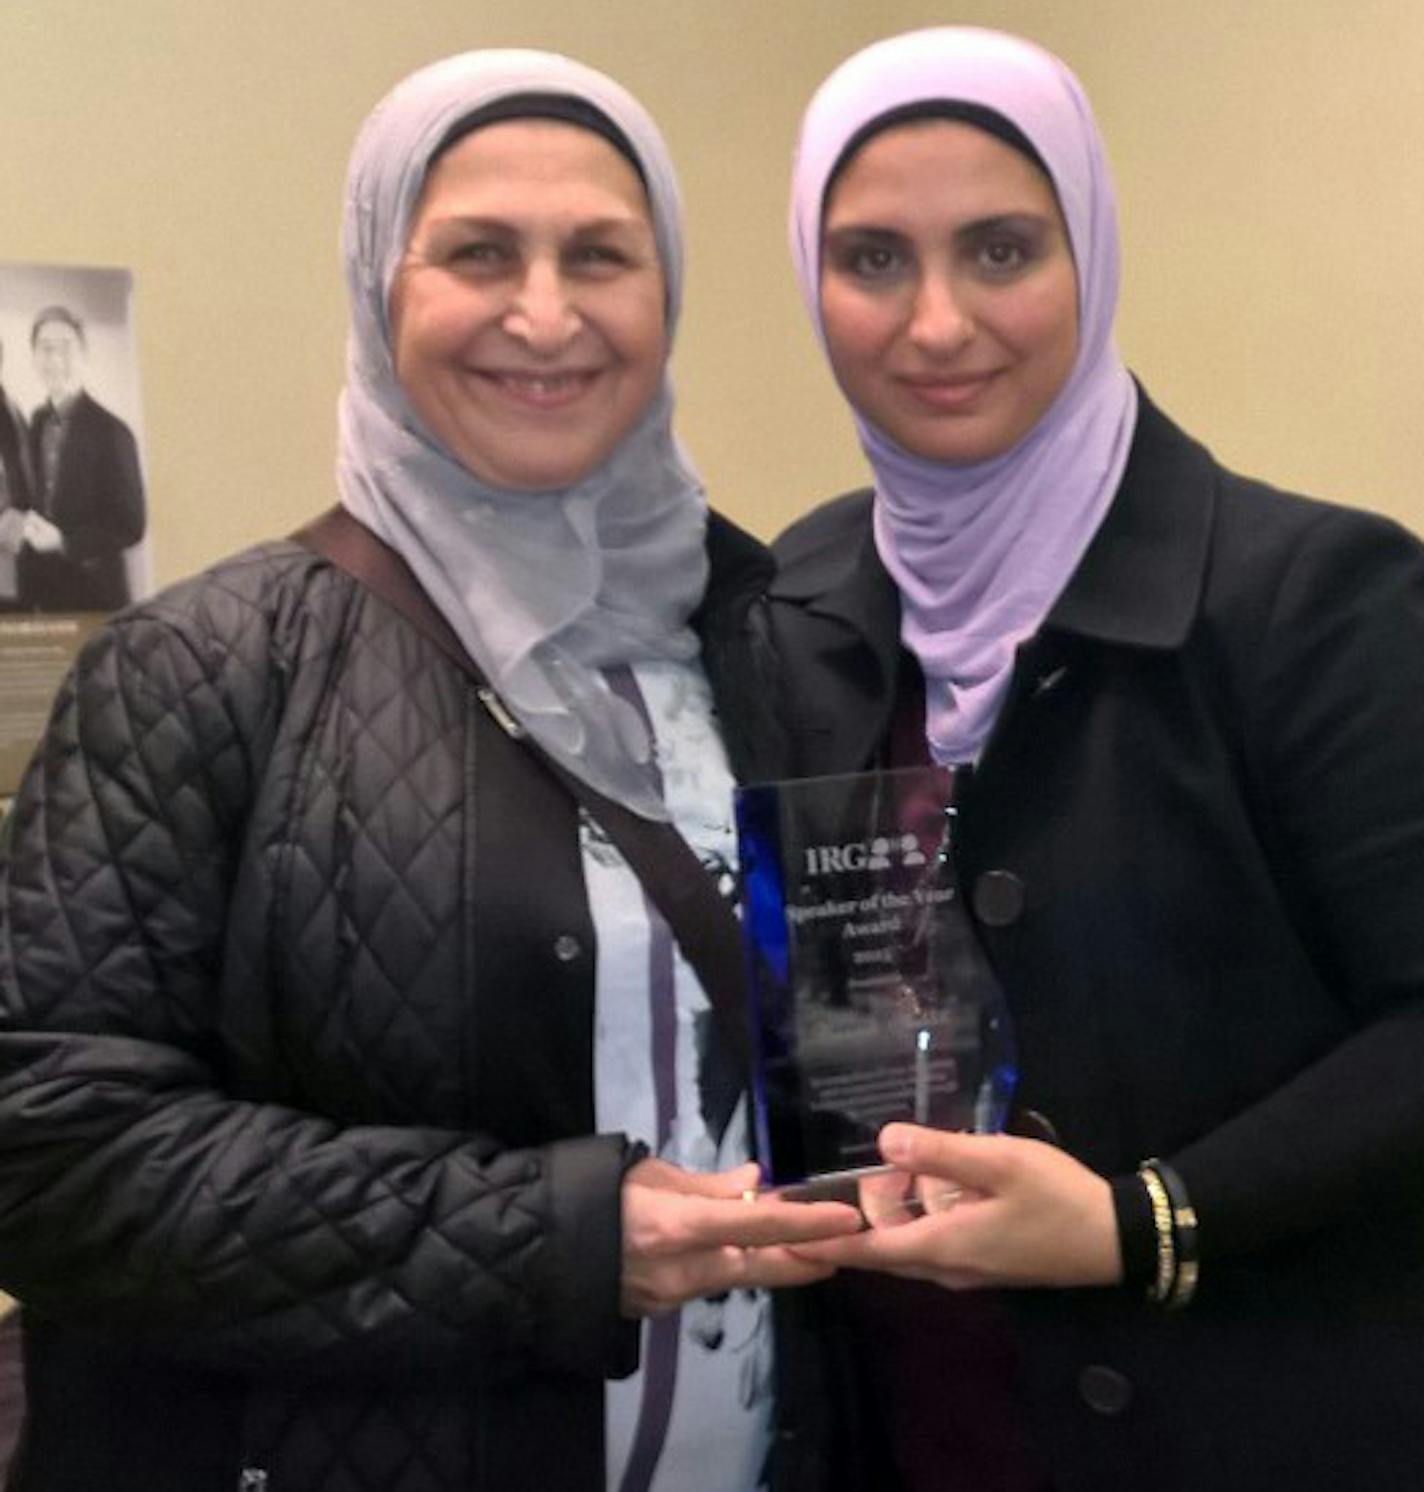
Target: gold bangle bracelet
{"x":1184,"y":1234}
{"x":1165,"y":1282}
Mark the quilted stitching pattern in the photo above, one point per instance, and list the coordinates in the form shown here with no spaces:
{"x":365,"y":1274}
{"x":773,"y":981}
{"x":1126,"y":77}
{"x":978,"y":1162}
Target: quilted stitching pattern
{"x":372,"y":1440}
{"x":235,"y":902}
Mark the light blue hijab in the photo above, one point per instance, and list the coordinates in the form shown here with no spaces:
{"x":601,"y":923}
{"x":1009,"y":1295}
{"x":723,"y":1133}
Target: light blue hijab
{"x":545,"y":589}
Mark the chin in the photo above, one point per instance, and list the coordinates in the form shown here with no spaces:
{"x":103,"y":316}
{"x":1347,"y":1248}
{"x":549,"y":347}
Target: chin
{"x":547,"y":478}
{"x":964,"y":448}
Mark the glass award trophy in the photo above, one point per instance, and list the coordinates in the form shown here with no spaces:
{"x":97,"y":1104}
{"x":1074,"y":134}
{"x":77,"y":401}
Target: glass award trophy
{"x":872,"y":999}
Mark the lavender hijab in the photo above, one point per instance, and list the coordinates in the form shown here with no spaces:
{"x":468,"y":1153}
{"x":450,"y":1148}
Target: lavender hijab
{"x":545,"y":589}
{"x":980,"y":552}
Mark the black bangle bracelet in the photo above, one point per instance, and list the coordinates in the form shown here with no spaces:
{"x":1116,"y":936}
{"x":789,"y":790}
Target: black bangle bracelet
{"x":1184,"y":1234}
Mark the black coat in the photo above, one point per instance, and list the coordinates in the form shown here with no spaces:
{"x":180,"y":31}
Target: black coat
{"x":1196,"y":842}
{"x":14,"y":452}
{"x":296,"y":999}
{"x":97,"y":504}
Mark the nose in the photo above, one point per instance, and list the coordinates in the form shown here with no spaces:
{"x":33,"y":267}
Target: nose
{"x":542,"y":313}
{"x":940,"y":323}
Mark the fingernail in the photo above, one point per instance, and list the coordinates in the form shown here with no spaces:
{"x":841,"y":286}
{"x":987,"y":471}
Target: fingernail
{"x":895,"y":1143}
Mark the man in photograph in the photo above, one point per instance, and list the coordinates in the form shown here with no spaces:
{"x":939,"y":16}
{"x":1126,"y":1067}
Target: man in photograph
{"x":87,"y":505}
{"x":14,"y":453}
{"x":14,"y":488}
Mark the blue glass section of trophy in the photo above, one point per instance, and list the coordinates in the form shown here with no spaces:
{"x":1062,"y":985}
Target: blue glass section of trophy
{"x":872,"y":997}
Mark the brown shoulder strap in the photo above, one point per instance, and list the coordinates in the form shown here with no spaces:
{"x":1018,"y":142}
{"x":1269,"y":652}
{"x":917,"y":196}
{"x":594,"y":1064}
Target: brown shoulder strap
{"x":704,"y":925}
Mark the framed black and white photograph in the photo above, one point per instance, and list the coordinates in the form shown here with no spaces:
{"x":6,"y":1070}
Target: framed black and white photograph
{"x":73,"y":504}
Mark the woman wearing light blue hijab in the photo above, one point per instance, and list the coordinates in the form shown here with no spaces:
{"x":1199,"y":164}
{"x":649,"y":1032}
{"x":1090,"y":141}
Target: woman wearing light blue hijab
{"x":361,"y":1123}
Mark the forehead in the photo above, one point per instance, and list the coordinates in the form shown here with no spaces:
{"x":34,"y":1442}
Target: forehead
{"x":56,"y":334}
{"x":506,"y":168}
{"x":941,"y":169}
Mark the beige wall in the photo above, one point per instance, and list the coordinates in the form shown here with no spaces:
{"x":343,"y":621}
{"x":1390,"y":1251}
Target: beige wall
{"x":1267,"y":154}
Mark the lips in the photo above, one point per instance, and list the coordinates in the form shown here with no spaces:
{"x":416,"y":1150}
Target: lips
{"x":546,"y":390}
{"x":948,"y":395}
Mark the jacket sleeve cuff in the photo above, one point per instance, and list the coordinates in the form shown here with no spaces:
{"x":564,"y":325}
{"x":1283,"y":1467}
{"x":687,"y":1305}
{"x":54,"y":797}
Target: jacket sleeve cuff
{"x":584,"y":1330}
{"x":1136,"y":1232}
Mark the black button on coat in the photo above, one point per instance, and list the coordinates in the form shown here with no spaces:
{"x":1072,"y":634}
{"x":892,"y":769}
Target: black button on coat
{"x":1216,"y":817}
{"x":296,"y":1165}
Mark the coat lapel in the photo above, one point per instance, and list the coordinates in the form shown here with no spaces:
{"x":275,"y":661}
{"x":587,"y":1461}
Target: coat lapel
{"x":1140,"y":582}
{"x":731,"y":632}
{"x":1138,"y":585}
{"x":844,"y":595}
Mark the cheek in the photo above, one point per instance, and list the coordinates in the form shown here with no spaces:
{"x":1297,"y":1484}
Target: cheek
{"x":427,"y":333}
{"x":857,"y":329}
{"x":642,"y":337}
{"x":417,"y":334}
{"x":1047,"y":329}
{"x":400,"y":321}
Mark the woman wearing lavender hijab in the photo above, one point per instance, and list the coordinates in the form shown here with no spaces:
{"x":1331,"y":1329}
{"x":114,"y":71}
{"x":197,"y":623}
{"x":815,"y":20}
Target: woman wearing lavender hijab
{"x":362,"y":1126}
{"x":1190,"y":710}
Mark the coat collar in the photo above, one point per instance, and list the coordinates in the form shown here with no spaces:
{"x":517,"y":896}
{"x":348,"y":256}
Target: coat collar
{"x":1139,"y":584}
{"x":731,"y":629}
{"x":736,"y":563}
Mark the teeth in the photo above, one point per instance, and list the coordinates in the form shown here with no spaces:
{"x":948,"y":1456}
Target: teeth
{"x":543,"y":383}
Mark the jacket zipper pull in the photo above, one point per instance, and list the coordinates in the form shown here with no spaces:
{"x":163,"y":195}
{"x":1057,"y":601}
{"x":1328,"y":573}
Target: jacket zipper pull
{"x":499,"y":712}
{"x":252,"y":1479}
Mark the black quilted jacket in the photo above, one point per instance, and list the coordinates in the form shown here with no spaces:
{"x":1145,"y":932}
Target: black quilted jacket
{"x":296,"y":1173}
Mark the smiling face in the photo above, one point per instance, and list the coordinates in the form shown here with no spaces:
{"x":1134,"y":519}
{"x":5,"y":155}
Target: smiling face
{"x":527,"y":314}
{"x":948,"y":293}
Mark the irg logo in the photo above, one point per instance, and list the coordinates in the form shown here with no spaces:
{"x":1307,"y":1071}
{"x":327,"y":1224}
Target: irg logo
{"x":880,"y":853}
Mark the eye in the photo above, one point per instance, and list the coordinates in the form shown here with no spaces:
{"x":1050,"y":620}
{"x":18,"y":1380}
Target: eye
{"x":1005,"y":247}
{"x":603,"y":257}
{"x":873,"y":261}
{"x":479,"y":253}
{"x":1003,"y":255}
{"x":869,"y":259}
{"x":598,"y":258}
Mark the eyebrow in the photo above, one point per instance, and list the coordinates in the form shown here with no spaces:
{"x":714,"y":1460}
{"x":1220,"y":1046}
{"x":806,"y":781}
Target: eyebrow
{"x":1033,"y":221}
{"x":480,"y":224}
